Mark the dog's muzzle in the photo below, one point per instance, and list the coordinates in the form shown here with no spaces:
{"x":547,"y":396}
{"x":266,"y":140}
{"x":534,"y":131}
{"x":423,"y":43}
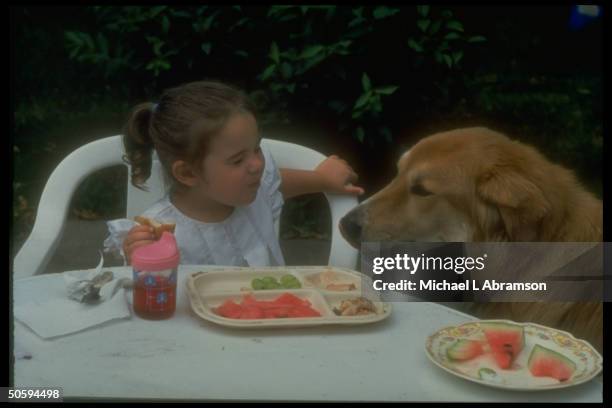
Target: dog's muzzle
{"x":351,"y":226}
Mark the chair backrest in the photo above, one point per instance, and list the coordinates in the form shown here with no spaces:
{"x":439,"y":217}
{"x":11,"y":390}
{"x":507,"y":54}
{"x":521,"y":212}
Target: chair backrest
{"x":52,"y":211}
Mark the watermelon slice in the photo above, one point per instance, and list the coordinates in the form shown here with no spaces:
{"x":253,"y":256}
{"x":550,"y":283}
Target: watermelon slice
{"x":277,"y":312}
{"x":464,"y":349}
{"x":544,"y":362}
{"x":291,"y":300}
{"x":229,"y":309}
{"x":286,"y":305}
{"x":251,"y":312}
{"x":506,"y":341}
{"x":249,"y":300}
{"x":303,"y":311}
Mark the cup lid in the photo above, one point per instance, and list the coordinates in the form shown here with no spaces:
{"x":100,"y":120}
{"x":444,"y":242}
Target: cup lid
{"x":162,"y":254}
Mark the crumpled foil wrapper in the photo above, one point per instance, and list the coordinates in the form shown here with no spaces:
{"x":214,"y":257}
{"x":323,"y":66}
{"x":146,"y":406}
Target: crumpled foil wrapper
{"x":96,"y":287}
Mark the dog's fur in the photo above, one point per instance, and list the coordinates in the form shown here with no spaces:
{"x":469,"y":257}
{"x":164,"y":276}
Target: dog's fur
{"x":475,"y":184}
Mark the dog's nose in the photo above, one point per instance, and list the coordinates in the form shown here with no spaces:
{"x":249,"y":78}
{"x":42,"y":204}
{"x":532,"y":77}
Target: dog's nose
{"x":351,"y":226}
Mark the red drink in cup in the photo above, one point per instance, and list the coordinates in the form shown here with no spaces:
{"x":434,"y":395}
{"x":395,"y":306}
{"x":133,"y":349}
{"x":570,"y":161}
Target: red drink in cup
{"x":154,"y":274}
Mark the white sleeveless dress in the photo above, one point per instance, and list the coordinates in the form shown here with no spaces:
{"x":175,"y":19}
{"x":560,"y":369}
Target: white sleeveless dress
{"x":246,"y":238}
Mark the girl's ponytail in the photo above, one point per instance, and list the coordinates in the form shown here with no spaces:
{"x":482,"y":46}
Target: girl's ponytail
{"x":138,"y":143}
{"x":180,"y":127}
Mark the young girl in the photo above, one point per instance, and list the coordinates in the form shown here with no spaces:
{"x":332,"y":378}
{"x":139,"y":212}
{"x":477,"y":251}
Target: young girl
{"x":225,"y":190}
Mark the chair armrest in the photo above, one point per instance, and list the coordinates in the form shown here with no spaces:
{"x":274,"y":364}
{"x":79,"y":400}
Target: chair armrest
{"x":35,"y":253}
{"x":299,"y":157}
{"x":341,"y":254}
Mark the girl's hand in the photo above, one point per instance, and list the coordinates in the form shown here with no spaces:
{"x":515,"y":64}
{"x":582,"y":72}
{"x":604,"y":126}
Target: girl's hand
{"x":338,"y":177}
{"x":138,"y":236}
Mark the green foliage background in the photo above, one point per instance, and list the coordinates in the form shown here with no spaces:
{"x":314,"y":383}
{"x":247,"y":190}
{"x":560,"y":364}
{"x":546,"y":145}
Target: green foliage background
{"x":363,"y":79}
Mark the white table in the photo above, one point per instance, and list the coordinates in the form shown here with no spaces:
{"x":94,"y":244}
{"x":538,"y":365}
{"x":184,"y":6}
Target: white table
{"x":188,"y":358}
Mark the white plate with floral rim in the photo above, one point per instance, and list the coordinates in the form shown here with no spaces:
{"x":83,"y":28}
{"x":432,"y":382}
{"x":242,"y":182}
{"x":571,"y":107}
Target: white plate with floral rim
{"x":484,"y":370}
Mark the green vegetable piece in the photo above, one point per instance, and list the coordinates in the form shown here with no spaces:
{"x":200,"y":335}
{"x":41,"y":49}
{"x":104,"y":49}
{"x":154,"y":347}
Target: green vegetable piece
{"x":257,"y":284}
{"x":486,"y":373}
{"x":272,"y":285}
{"x":293,"y":285}
{"x":288,"y":279}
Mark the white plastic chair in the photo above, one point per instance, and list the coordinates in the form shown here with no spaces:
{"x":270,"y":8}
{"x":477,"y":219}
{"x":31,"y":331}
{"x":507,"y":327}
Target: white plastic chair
{"x":36,"y":252}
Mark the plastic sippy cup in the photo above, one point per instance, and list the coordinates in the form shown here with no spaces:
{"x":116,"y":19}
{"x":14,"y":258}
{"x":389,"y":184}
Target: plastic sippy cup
{"x":154,"y":274}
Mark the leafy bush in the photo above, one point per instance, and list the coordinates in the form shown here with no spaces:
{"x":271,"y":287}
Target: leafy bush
{"x":365,"y":74}
{"x":306,"y":217}
{"x":561,"y":117}
{"x":300,"y":57}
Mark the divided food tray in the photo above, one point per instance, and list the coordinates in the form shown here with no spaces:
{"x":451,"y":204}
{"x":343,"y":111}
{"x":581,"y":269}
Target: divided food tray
{"x":325,"y":288}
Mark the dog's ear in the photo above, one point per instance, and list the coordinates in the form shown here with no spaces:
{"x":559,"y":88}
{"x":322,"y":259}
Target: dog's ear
{"x":520,"y":202}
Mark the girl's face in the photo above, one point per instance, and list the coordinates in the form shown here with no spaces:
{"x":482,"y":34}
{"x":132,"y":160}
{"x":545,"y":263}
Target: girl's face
{"x":234,"y":164}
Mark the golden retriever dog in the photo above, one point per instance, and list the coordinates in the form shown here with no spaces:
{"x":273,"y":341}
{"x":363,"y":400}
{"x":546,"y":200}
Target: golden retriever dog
{"x":477,"y":185}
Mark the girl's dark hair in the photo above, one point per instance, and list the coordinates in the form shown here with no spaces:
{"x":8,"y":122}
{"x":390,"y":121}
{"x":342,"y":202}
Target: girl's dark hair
{"x":180,"y":126}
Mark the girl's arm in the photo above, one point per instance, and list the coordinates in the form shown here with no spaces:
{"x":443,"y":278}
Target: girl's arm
{"x":333,"y":175}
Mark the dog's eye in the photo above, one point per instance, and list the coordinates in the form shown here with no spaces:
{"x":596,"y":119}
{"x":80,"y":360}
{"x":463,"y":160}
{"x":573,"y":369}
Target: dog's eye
{"x":419,"y":190}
